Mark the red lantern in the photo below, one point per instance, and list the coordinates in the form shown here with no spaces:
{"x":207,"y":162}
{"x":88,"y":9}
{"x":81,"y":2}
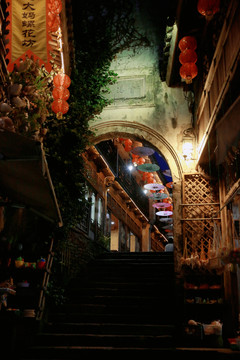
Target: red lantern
{"x":188,"y":71}
{"x":188,"y":56}
{"x":55,"y":6}
{"x":140,"y":161}
{"x":208,"y":8}
{"x":187,"y":42}
{"x":53,"y":22}
{"x":60,"y":107}
{"x":62,"y":80}
{"x":150,"y":175}
{"x":128,"y":145}
{"x":60,"y":93}
{"x":144,"y":176}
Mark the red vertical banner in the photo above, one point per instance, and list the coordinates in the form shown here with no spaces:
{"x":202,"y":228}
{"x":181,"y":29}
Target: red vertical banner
{"x":28,"y":32}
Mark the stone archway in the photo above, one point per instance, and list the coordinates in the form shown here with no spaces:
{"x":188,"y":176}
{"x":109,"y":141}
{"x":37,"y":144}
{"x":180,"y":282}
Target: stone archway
{"x":110,"y":129}
{"x":114,"y":128}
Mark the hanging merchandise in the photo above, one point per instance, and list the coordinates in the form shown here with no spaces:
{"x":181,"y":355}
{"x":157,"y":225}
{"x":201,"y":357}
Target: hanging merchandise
{"x":167,"y":220}
{"x":161,"y":205}
{"x":164,"y":213}
{"x":208,"y":8}
{"x":140,"y":160}
{"x":158,"y":196}
{"x":148,"y":167}
{"x":143,"y":151}
{"x":153,"y":186}
{"x":128,"y":145}
{"x":169,"y":184}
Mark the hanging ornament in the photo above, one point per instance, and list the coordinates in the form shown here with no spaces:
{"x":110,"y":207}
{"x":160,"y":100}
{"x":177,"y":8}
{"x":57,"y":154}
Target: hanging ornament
{"x":188,"y":56}
{"x":60,"y":93}
{"x":61,"y":79}
{"x":60,"y":107}
{"x":161,"y":205}
{"x":128,"y":145}
{"x":187,"y":42}
{"x":143,"y":151}
{"x":188,"y":72}
{"x":55,"y":6}
{"x":53,"y":22}
{"x":153,"y":186}
{"x":148,"y":167}
{"x":164,"y":213}
{"x":140,"y":161}
{"x":208,"y":8}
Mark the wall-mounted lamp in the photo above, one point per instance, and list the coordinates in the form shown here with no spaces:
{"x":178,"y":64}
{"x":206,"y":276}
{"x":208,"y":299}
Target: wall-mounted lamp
{"x":187,"y":144}
{"x":187,"y":149}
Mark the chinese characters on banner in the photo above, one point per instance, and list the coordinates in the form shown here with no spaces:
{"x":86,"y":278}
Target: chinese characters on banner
{"x":28,"y":32}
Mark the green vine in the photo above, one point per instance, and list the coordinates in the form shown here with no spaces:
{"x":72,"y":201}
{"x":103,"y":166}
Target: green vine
{"x":101,"y":30}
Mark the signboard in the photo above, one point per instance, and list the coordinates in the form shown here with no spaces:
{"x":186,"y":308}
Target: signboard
{"x":28,"y":32}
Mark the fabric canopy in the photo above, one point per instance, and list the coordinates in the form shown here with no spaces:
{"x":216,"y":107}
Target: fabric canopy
{"x":24,"y":176}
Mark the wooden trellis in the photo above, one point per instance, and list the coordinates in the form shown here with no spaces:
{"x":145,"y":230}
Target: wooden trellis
{"x":200,"y":213}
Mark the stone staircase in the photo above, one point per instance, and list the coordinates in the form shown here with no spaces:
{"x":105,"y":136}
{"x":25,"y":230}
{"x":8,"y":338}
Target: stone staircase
{"x":123,"y":303}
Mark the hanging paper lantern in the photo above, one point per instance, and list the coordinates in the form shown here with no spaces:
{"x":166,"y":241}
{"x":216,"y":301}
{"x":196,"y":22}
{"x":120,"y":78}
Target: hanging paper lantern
{"x":188,"y":56}
{"x":187,"y":42}
{"x":61,"y":80}
{"x":208,"y":8}
{"x":140,"y":161}
{"x":55,"y":6}
{"x":60,"y":93}
{"x":121,"y":140}
{"x":60,"y":107}
{"x":188,"y":71}
{"x":53,"y":22}
{"x":128,"y":145}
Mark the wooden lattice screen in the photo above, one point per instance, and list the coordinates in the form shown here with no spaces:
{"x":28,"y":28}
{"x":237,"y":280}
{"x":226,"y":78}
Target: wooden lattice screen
{"x":200,"y":211}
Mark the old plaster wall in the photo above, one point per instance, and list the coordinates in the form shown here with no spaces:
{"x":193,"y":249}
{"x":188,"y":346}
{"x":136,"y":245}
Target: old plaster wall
{"x":145,"y":108}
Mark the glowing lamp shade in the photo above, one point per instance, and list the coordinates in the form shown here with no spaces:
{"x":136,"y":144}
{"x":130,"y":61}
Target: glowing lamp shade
{"x":60,"y":107}
{"x":187,"y":42}
{"x":188,"y":56}
{"x":188,"y":72}
{"x":60,"y":93}
{"x":208,"y":8}
{"x":61,"y":80}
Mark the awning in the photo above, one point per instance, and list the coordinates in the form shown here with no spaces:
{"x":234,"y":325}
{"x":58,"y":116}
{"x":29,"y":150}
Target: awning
{"x":24,"y":176}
